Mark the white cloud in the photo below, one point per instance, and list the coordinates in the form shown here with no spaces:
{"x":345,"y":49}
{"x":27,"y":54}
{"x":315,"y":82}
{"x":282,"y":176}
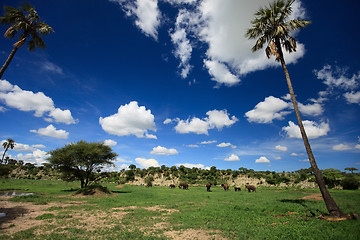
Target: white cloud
{"x":130,"y":120}
{"x":208,"y":142}
{"x":296,"y":154}
{"x":167,"y":121}
{"x":62,"y":116}
{"x":312,"y":129}
{"x":220,"y":73}
{"x":114,"y":168}
{"x":2,"y":109}
{"x":190,"y":165}
{"x":216,"y":118}
{"x":352,"y":97}
{"x":224,"y":31}
{"x":51,"y":67}
{"x":146,"y":163}
{"x":219,"y":25}
{"x":28,"y":101}
{"x":314,"y":109}
{"x":195,"y":125}
{"x":233,"y":157}
{"x":37,"y":157}
{"x":182,"y":44}
{"x":268,"y":110}
{"x":110,"y":142}
{"x":164,"y":151}
{"x":281,"y":148}
{"x":304,"y":160}
{"x":224,"y":145}
{"x":357,"y":146}
{"x":51,"y":131}
{"x":337,"y":78}
{"x":192,"y":146}
{"x":146,"y":13}
{"x":341,"y":147}
{"x":20,"y":147}
{"x":262,"y":160}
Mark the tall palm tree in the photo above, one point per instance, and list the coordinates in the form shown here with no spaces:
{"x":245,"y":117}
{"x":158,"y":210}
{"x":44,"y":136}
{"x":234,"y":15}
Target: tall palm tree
{"x":26,"y":22}
{"x":7,"y":144}
{"x":272,"y":26}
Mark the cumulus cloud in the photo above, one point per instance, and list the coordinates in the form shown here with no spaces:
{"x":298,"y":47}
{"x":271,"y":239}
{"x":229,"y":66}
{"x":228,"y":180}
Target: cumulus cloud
{"x":262,"y":160}
{"x":336,"y":78}
{"x":341,"y":147}
{"x":146,"y":163}
{"x":216,"y":119}
{"x":281,"y":148}
{"x":192,"y":146}
{"x":352,"y":97}
{"x":159,"y":150}
{"x":220,"y":73}
{"x":224,"y":144}
{"x":232,"y":158}
{"x":20,"y":147}
{"x":313,"y":129}
{"x":268,"y":110}
{"x":39,"y":103}
{"x":51,"y":131}
{"x":110,"y":142}
{"x":130,"y":120}
{"x":167,"y":121}
{"x":315,"y":109}
{"x":146,"y":13}
{"x":37,"y":157}
{"x":190,"y":165}
{"x":218,"y":25}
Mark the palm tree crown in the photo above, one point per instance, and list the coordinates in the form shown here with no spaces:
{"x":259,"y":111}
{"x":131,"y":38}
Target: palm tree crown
{"x":10,"y":143}
{"x":26,"y":22}
{"x":272,"y":26}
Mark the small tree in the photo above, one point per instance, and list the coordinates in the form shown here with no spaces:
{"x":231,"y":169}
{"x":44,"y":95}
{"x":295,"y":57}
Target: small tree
{"x":79,"y":161}
{"x":351,"y":169}
{"x":7,"y":144}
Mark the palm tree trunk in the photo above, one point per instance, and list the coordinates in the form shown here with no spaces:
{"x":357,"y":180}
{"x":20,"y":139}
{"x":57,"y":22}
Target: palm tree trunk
{"x":7,"y":62}
{"x":333,"y":209}
{"x":2,"y":159}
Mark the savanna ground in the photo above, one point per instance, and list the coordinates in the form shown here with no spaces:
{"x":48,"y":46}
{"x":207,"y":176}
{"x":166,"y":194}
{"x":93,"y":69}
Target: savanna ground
{"x":137,"y":212}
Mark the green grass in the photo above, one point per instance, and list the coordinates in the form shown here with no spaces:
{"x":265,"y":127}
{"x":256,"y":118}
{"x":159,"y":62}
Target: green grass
{"x":269,"y":213}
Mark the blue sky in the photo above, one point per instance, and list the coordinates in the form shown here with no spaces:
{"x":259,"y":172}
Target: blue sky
{"x":175,"y":82}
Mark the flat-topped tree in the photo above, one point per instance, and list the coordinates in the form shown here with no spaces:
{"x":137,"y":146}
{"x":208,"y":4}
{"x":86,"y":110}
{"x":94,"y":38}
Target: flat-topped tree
{"x":26,"y":23}
{"x":79,"y":161}
{"x":272,"y":26}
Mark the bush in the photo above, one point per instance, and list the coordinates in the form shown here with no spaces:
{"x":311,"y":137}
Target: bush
{"x":350,"y":183}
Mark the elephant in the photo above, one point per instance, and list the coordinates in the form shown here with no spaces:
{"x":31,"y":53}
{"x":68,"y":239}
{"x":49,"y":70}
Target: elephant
{"x":184,"y":186}
{"x":225,"y":186}
{"x":237,"y":189}
{"x":208,"y":186}
{"x":172,"y":185}
{"x":250,"y":188}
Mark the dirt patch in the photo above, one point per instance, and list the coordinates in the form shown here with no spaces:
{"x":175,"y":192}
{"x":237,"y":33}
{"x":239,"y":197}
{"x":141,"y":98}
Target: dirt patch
{"x":194,"y":234}
{"x":21,"y":216}
{"x":313,"y":197}
{"x":119,"y":186}
{"x":160,"y":208}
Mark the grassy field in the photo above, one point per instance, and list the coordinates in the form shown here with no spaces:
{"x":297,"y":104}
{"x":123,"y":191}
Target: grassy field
{"x":137,"y":212}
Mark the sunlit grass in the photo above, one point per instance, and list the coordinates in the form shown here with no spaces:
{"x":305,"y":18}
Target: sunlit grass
{"x":133,"y":212}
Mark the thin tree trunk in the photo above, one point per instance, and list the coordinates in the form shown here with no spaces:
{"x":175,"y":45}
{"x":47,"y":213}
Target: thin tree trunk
{"x":333,"y":209}
{"x":7,"y":62}
{"x":2,"y":159}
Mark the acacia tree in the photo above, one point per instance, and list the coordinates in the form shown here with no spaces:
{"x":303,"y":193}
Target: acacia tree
{"x":10,"y":143}
{"x":272,"y":26}
{"x":26,"y":22}
{"x":79,"y":161}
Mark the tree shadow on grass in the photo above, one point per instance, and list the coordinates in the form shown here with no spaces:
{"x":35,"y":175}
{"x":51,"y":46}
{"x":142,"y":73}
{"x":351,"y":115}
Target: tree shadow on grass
{"x":297,"y":201}
{"x":116,"y":191}
{"x":11,"y":214}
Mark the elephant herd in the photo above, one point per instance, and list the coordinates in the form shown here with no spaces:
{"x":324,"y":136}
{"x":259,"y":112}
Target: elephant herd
{"x":250,"y":188}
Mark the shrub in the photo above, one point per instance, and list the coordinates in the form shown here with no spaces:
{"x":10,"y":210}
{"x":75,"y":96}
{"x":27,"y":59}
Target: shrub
{"x":350,"y":183}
